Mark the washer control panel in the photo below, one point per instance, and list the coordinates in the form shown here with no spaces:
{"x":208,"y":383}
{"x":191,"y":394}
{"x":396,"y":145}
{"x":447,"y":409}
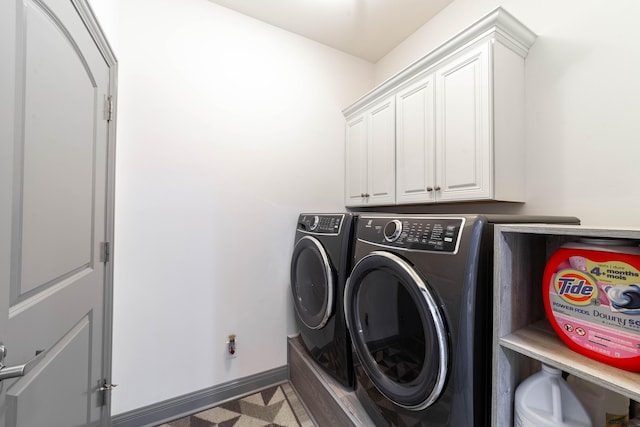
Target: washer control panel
{"x":415,"y":233}
{"x":321,"y":224}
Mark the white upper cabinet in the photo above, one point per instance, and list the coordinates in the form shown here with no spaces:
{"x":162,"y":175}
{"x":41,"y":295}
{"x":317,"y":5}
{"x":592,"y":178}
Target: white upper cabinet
{"x":370,"y":177}
{"x":356,"y":155}
{"x":415,"y":142}
{"x":453,"y":122}
{"x":464,"y":157}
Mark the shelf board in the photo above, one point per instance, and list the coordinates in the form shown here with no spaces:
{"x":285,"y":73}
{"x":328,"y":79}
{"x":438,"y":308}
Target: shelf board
{"x":575,"y":231}
{"x":540,"y":342}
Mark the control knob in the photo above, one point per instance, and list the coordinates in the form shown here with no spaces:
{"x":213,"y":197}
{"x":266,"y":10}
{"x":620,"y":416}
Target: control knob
{"x":392,"y":230}
{"x":313,"y":224}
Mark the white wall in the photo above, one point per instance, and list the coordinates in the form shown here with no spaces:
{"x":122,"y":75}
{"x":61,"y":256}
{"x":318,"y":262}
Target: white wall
{"x":227,"y":129}
{"x":582,"y":106}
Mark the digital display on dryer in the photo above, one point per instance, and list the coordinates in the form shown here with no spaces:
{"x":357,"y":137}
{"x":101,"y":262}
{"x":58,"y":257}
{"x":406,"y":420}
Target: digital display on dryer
{"x":426,"y":234}
{"x":321,"y":224}
{"x":439,"y":236}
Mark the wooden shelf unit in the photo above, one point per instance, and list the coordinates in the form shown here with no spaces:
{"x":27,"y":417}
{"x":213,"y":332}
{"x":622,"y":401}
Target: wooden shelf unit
{"x":523,"y":337}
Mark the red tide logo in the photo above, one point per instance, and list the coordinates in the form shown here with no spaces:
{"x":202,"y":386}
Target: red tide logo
{"x":575,"y":287}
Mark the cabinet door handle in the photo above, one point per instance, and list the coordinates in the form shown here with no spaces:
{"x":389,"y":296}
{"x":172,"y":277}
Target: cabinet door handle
{"x":366,"y":194}
{"x":362,"y":195}
{"x":437,"y":188}
{"x":429,"y":189}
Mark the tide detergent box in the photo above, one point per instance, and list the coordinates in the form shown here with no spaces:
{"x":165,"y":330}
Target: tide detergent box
{"x":591,"y":292}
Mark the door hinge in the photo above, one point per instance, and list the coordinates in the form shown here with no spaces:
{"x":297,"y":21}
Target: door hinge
{"x":106,"y":252}
{"x":104,"y":389}
{"x":106,"y":386}
{"x":108,"y":108}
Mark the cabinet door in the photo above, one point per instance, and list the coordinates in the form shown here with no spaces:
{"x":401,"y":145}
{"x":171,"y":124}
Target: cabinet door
{"x":382,"y":160}
{"x":464,"y":159}
{"x":356,"y":161}
{"x":415,"y":134}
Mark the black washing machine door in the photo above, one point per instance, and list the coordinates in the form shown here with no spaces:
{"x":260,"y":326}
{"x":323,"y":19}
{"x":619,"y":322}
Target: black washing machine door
{"x":312,"y":282}
{"x":398,"y":330}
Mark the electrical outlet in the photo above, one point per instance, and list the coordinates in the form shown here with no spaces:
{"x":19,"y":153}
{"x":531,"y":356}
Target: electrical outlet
{"x":231,"y":347}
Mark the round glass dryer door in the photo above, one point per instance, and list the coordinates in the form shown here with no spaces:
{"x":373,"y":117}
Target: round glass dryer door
{"x":398,"y":330}
{"x":312,"y":282}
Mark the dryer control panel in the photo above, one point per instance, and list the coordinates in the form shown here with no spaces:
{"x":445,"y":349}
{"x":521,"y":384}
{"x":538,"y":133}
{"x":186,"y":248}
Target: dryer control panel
{"x":321,"y":224}
{"x":415,"y":233}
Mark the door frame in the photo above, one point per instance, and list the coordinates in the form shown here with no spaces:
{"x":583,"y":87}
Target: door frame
{"x":89,"y":18}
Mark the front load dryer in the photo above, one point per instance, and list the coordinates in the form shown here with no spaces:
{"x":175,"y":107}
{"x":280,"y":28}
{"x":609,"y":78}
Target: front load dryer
{"x":320,"y":264}
{"x":418,"y":305}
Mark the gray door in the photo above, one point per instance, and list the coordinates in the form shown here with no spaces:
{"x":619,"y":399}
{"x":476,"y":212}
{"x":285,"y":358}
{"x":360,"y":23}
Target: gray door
{"x":56,"y":186}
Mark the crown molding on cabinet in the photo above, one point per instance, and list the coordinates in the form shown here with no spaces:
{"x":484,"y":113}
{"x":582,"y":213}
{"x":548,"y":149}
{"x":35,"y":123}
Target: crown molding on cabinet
{"x":498,"y":24}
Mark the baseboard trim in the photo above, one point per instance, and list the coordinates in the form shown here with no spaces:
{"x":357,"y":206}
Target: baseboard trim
{"x":201,"y":400}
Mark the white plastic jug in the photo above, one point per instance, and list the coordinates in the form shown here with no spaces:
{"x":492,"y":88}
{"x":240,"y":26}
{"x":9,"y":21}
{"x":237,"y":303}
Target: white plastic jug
{"x":545,"y":400}
{"x":606,"y":408}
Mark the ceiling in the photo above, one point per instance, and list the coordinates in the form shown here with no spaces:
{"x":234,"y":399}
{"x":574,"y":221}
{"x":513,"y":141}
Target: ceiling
{"x":368,"y":29}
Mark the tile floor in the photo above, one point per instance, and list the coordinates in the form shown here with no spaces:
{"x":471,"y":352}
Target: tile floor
{"x":276,"y":406}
